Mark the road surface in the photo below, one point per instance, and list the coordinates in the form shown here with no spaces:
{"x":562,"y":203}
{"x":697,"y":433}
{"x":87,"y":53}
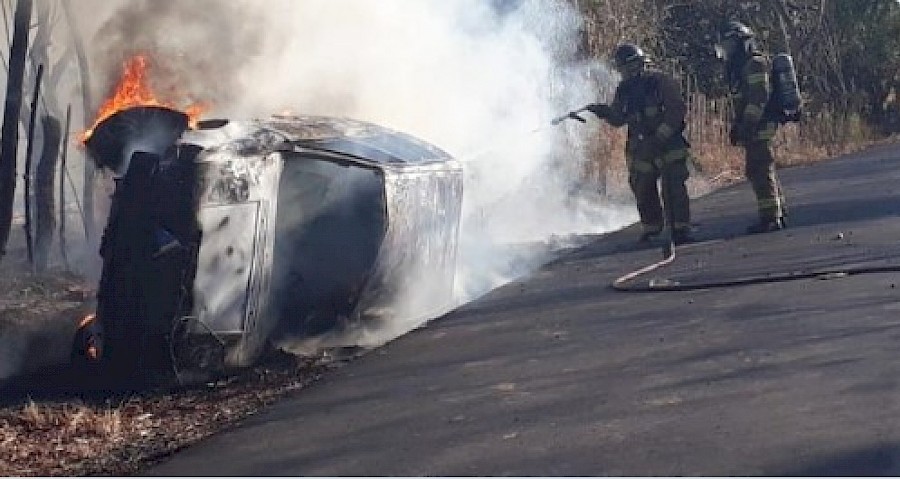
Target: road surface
{"x":559,"y":375}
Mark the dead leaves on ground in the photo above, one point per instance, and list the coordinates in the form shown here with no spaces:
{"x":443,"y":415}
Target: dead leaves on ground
{"x":78,"y":438}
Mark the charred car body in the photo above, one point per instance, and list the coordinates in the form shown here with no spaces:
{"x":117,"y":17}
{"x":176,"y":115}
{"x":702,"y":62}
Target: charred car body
{"x":224,"y":236}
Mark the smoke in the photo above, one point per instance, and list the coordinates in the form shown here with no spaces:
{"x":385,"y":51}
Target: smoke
{"x":480,"y":79}
{"x":11,"y":354}
{"x":34,"y":342}
{"x":198,"y":48}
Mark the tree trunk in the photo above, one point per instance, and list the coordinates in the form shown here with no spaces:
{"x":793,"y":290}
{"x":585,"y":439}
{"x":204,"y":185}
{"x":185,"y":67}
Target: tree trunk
{"x":62,"y":188}
{"x":9,"y":132}
{"x":29,"y":153}
{"x":43,"y":193}
{"x":87,"y":105}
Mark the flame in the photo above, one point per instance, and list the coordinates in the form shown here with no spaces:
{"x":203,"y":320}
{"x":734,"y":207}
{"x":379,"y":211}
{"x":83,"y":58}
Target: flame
{"x":87,"y":320}
{"x":93,"y":340}
{"x":133,"y":90}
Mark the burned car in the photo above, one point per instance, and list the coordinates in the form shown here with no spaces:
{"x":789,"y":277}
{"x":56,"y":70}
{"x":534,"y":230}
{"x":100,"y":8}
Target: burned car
{"x":226,"y":235}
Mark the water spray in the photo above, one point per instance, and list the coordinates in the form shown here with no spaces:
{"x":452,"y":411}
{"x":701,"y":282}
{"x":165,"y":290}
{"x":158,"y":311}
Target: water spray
{"x":572,"y":115}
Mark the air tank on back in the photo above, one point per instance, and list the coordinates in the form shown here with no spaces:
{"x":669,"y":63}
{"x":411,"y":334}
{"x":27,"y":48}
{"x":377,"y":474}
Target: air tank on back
{"x":786,"y":86}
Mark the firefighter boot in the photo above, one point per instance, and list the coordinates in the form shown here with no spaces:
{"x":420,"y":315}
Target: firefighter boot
{"x":766,"y":226}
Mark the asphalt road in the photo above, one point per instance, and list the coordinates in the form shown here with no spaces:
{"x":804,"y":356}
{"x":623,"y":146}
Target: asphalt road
{"x":558,"y":374}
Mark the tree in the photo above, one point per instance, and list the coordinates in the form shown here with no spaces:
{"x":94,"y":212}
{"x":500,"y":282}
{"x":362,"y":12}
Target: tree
{"x":87,"y":105}
{"x":45,"y":172}
{"x":9,"y":134}
{"x":45,"y":221}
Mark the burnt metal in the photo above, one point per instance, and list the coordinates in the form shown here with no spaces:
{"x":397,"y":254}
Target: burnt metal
{"x":148,"y":129}
{"x":225,"y":237}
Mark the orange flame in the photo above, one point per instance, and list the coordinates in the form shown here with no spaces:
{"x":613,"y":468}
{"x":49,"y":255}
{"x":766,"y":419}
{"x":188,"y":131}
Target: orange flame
{"x":88,"y":319}
{"x":133,"y":91}
{"x":92,"y":341}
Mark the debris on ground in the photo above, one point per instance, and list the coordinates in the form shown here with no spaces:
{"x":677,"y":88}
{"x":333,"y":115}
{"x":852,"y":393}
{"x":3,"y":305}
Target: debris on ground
{"x":49,"y":426}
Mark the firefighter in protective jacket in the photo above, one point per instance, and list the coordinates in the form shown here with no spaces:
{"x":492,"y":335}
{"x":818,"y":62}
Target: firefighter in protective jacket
{"x":650,"y":103}
{"x":755,"y":120}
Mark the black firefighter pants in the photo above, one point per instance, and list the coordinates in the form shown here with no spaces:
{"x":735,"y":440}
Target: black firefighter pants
{"x":643,"y":175}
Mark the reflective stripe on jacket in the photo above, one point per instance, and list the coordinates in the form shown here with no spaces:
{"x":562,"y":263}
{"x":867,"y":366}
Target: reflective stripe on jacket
{"x":751,"y":96}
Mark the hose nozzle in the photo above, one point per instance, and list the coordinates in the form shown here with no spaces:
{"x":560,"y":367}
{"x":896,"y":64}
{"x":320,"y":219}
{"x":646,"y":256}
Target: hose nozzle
{"x":572,"y":115}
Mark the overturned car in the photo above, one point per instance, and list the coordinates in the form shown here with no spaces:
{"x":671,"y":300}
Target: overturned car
{"x":227,"y":235}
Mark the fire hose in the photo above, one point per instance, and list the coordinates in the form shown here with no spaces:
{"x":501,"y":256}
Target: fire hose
{"x":669,"y":248}
{"x":621,"y":283}
{"x":669,"y":254}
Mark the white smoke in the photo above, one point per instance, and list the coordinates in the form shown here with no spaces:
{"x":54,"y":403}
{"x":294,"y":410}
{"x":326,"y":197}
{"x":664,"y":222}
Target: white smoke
{"x":480,"y":79}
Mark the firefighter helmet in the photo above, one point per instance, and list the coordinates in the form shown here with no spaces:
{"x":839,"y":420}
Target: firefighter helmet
{"x":629,"y":59}
{"x":734,"y":38}
{"x":737,"y":30}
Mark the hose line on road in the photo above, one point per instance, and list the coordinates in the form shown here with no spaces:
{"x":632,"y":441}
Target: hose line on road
{"x":621,"y":284}
{"x":668,"y":257}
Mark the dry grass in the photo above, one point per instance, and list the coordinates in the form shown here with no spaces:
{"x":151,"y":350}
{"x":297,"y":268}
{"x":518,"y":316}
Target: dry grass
{"x":122,"y":435}
{"x":824,"y":135}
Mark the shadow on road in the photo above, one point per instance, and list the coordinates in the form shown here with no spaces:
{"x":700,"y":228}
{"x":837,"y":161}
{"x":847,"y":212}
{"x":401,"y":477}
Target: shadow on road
{"x":845,"y":210}
{"x":878,"y":460}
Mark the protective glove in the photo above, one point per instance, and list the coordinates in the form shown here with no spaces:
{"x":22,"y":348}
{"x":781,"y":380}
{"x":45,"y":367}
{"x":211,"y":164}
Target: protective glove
{"x":602,"y":111}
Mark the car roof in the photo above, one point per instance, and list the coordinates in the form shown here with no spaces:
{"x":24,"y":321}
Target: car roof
{"x":362,"y":140}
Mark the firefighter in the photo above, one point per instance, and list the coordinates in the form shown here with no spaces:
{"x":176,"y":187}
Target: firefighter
{"x":755,"y":120}
{"x":650,"y":103}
